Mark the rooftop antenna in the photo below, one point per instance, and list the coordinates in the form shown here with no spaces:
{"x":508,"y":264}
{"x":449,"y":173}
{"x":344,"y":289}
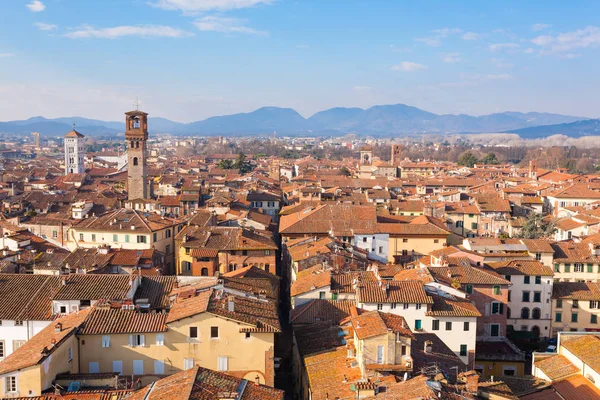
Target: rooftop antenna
{"x":137,"y":103}
{"x":73,"y":126}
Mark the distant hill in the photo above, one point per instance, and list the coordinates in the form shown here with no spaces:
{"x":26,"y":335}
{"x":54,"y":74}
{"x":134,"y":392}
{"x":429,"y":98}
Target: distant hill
{"x":588,"y":127}
{"x":383,"y":120}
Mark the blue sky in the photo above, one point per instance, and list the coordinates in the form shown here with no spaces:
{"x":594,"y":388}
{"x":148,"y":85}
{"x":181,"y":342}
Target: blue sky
{"x":191,"y":59}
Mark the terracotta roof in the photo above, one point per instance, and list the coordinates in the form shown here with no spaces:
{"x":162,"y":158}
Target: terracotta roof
{"x":157,"y":290}
{"x":93,"y":287}
{"x":343,"y":282}
{"x":74,"y":134}
{"x":467,"y":275}
{"x":557,"y":367}
{"x":32,"y":352}
{"x":123,"y":219}
{"x":569,"y":252}
{"x":376,"y":323}
{"x":584,"y":347}
{"x":447,"y":305}
{"x":577,"y":191}
{"x":538,"y":245}
{"x":102,"y":321}
{"x":521,"y":267}
{"x":311,"y":278}
{"x":27,"y":297}
{"x":393,"y":292}
{"x":576,"y":290}
{"x":188,"y":303}
{"x":576,"y":387}
{"x":261,"y":314}
{"x":224,"y":238}
{"x":440,"y":353}
{"x":321,"y":310}
{"x":336,"y":219}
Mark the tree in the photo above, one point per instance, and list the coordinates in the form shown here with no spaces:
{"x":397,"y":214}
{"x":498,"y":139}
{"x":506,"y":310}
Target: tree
{"x":467,"y":159}
{"x":241,"y":164}
{"x":225,"y":164}
{"x":537,"y":227}
{"x":490,"y":159}
{"x":345,"y":171}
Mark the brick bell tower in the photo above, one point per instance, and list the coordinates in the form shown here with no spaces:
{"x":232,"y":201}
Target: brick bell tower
{"x":136,"y":135}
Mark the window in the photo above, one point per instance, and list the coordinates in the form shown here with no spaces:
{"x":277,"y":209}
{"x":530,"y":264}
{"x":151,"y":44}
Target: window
{"x":509,"y":293}
{"x":117,"y":366}
{"x":459,"y":224}
{"x":469,"y":289}
{"x":590,"y":268}
{"x":322,"y":295}
{"x":404,"y":240}
{"x":115,"y":238}
{"x":393,"y":306}
{"x":405,"y":306}
{"x":141,"y":239}
{"x":567,"y":267}
{"x":536,"y":313}
{"x":593,"y":319}
{"x":473,"y":225}
{"x":418,"y":306}
{"x":160,"y":339}
{"x":186,"y":265}
{"x":538,"y":256}
{"x":448,"y":326}
{"x":463,"y":350}
{"x":1,"y":348}
{"x":556,"y":267}
{"x":10,"y":384}
{"x":159,"y":367}
{"x":135,"y":161}
{"x":574,"y":317}
{"x":558,"y":317}
{"x":137,"y":340}
{"x":526,"y":297}
{"x":155,"y":237}
{"x":138,"y":367}
{"x":465,"y":326}
{"x":364,"y":240}
{"x":63,"y":309}
{"x":188,"y":363}
{"x":105,"y":340}
{"x":380,"y":249}
{"x":537,"y":297}
{"x":507,"y":277}
{"x":267,"y":252}
{"x":575,"y":303}
{"x":81,"y":237}
{"x":494,"y":330}
{"x":436,"y":240}
{"x":18,"y":323}
{"x":380,"y":354}
{"x":509,"y":371}
{"x":379,"y":306}
{"x":435,"y":325}
{"x":538,"y":280}
{"x":94,"y":367}
{"x":594,"y":304}
{"x":54,"y":234}
{"x":418,"y":324}
{"x":17,"y":344}
{"x":496,"y":289}
{"x":126,"y":238}
{"x":558,"y":303}
{"x":244,"y":252}
{"x":526,"y":279}
{"x":497,"y":307}
{"x":525,"y":313}
{"x":222,"y":363}
{"x":578,"y":268}
{"x":193,"y":332}
{"x":214,"y":332}
{"x":93,"y":237}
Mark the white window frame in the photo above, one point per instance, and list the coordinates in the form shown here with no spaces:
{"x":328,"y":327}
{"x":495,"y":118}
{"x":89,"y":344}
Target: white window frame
{"x":160,"y":339}
{"x":12,"y":379}
{"x":188,"y":363}
{"x":222,"y":363}
{"x":137,"y":340}
{"x":105,"y":341}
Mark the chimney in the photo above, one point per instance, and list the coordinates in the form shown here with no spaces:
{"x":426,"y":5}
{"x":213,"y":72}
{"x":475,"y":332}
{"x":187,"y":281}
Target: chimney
{"x":63,"y":280}
{"x":230,"y":304}
{"x":58,"y":327}
{"x":428,"y":347}
{"x":472,"y":382}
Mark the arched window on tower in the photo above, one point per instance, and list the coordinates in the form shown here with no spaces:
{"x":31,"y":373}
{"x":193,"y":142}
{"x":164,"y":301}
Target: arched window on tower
{"x":136,"y":123}
{"x":135,"y":161}
{"x":137,"y":145}
{"x":132,"y":144}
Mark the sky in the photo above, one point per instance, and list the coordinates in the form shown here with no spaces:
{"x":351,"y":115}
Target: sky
{"x":187,"y":60}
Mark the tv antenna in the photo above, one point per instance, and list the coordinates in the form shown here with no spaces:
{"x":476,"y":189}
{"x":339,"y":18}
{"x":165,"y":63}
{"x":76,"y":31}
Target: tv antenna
{"x":137,"y":103}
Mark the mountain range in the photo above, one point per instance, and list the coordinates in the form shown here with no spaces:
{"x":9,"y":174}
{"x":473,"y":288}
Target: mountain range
{"x":384,"y":120}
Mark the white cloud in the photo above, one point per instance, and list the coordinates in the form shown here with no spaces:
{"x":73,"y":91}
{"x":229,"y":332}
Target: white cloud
{"x":408,"y":66}
{"x":87,"y":31}
{"x":503,"y":46}
{"x":451,"y":57}
{"x":212,"y":23}
{"x":501,"y":63}
{"x":206,"y":5}
{"x":362,"y":89}
{"x":45,"y":27}
{"x":567,"y":42}
{"x":438,"y":34}
{"x":2,"y":55}
{"x":539,"y":27}
{"x":36,"y":6}
{"x":529,"y":51}
{"x":470,"y":36}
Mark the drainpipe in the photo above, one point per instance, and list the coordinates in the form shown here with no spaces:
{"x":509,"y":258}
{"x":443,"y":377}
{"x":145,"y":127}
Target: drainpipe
{"x":79,"y":355}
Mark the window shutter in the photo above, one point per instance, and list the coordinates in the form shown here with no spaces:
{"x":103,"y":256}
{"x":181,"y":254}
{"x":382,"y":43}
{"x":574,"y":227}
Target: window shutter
{"x":130,"y":340}
{"x":501,"y":308}
{"x":142,"y":340}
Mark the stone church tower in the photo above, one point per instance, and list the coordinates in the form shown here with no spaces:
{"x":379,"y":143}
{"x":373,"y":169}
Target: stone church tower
{"x":74,"y":153}
{"x":136,"y":135}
